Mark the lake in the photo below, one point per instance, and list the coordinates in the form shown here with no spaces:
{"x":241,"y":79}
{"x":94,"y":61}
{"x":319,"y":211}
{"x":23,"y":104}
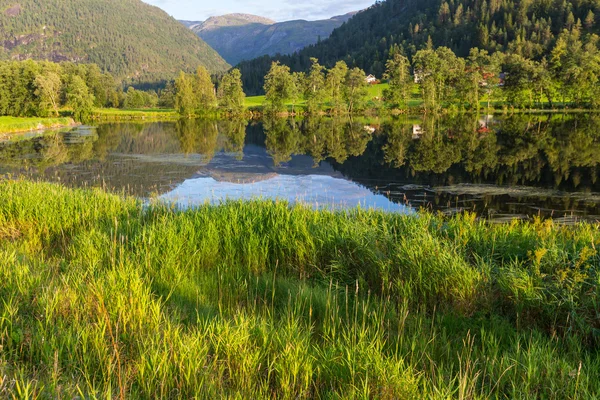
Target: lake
{"x":500,"y":167}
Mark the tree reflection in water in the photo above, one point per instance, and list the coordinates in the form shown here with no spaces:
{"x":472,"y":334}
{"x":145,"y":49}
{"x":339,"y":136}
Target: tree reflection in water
{"x":446,"y":162}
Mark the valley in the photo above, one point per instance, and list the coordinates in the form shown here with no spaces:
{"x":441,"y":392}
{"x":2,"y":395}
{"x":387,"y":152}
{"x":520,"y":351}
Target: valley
{"x":402,"y":202}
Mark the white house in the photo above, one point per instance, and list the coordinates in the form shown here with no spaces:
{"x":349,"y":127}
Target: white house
{"x":417,"y":132}
{"x":371,"y":80}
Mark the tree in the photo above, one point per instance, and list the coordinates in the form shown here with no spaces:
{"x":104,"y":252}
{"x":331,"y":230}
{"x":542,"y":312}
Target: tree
{"x":133,"y":99}
{"x":231,"y":93}
{"x":399,"y":79}
{"x":439,"y":72}
{"x":336,"y":79}
{"x":481,"y":77}
{"x":80,"y":99}
{"x":355,"y":89}
{"x":48,"y":86}
{"x":140,"y":99}
{"x":279,"y":87}
{"x":576,"y":67}
{"x":589,"y":20}
{"x":204,"y":90}
{"x":185,"y":100}
{"x":519,"y":80}
{"x":428,"y":74}
{"x":315,"y":88}
{"x":166,"y":97}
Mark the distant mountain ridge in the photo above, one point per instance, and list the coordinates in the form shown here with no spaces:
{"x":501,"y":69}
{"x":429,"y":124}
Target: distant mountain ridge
{"x":130,"y":39}
{"x":238,"y":37}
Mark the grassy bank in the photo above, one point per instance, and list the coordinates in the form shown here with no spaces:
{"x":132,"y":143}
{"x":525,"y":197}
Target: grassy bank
{"x":375,"y":96}
{"x":17,"y":125}
{"x":115,"y":114}
{"x":102,"y":297}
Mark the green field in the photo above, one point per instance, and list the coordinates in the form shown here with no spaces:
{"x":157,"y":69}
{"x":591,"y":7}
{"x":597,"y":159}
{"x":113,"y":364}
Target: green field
{"x":150,"y":114}
{"x":104,"y":297}
{"x":14,"y":124}
{"x":374,"y":91}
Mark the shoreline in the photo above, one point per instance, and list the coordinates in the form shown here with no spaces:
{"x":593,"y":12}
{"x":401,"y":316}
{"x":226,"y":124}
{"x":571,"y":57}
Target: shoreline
{"x":10,"y":126}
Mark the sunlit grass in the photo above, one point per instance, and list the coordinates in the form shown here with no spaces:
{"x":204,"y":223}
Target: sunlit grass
{"x":115,"y":113}
{"x":103,"y":297}
{"x":14,"y":124}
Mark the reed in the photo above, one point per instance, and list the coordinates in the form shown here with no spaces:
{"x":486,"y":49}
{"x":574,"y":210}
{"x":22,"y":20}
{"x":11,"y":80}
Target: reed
{"x":104,"y":297}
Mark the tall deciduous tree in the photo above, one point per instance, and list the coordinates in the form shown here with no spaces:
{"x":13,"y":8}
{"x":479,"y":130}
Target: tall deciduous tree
{"x":279,"y":87}
{"x":80,"y":99}
{"x":231,"y":93}
{"x":315,"y":89}
{"x":355,"y":89}
{"x":204,"y":91}
{"x":185,"y":100}
{"x":399,"y":79}
{"x":336,"y":79}
{"x":48,"y":87}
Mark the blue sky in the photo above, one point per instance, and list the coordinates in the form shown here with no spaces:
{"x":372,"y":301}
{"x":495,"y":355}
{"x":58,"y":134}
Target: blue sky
{"x":279,"y":10}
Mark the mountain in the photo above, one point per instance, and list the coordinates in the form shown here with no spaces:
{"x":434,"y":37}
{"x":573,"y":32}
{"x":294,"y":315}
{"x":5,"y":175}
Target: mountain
{"x":526,"y":27}
{"x":128,"y":38}
{"x":227,"y":20}
{"x":238,"y":37}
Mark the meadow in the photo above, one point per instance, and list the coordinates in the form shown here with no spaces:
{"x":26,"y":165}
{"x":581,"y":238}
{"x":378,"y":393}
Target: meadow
{"x":15,"y":124}
{"x":102,"y":296}
{"x":151,"y":114}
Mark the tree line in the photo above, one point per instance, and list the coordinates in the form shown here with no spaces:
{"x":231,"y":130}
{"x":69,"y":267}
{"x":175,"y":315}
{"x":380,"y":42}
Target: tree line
{"x":439,"y":79}
{"x":41,"y":89}
{"x":569,"y":75}
{"x":526,"y":28}
{"x":135,"y":42}
{"x":343,"y":89}
{"x":197,"y":94}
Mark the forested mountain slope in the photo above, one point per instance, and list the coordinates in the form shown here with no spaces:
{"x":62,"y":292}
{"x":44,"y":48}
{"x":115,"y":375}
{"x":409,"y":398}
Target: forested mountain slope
{"x":128,"y":38}
{"x":526,"y":27}
{"x":238,"y":37}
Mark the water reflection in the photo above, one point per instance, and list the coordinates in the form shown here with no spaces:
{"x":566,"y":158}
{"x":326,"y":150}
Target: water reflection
{"x":498,"y":166}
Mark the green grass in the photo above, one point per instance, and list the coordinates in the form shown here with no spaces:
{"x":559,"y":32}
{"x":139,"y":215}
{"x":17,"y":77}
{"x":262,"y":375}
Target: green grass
{"x":416,"y":102}
{"x":14,"y":124}
{"x":103,"y":297}
{"x":257,"y":102}
{"x":148,"y":114}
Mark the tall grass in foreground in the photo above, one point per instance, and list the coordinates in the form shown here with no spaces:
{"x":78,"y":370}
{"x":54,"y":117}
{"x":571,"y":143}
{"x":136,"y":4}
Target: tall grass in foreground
{"x":101,"y":297}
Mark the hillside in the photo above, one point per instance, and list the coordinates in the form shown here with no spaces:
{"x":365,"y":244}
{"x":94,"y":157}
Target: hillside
{"x":238,"y":37}
{"x":227,"y":20}
{"x":526,"y":27}
{"x":128,"y":38}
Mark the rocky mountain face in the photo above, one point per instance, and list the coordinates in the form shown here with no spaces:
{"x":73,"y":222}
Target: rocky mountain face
{"x":238,"y":37}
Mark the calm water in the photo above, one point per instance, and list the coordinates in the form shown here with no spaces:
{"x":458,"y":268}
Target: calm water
{"x":499,"y":167}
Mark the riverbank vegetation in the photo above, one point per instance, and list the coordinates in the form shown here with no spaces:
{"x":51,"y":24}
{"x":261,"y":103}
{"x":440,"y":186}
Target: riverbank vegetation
{"x":432,"y":80}
{"x":443,"y":81}
{"x":530,"y":29}
{"x":15,"y":125}
{"x":105,"y":297}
